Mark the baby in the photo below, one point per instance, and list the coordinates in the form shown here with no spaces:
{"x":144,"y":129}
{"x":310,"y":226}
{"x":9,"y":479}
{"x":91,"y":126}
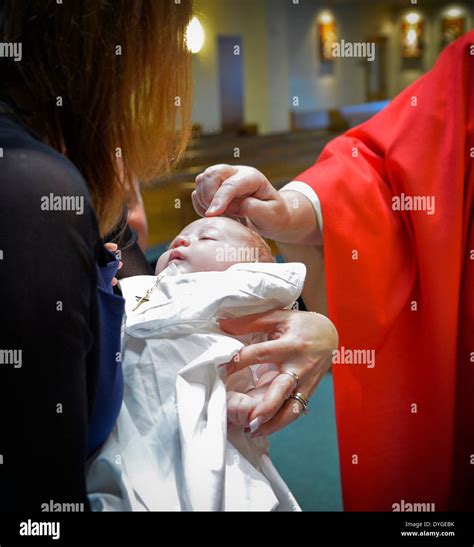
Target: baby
{"x":215,"y":244}
{"x":171,"y":448}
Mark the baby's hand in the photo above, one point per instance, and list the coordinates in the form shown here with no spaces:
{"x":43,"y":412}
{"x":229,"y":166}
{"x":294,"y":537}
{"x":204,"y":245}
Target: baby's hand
{"x":239,"y":408}
{"x":241,"y":405}
{"x":112,"y":247}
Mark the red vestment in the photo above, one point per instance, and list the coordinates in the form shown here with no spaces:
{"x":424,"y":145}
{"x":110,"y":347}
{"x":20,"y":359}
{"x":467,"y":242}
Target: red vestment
{"x":401,"y":282}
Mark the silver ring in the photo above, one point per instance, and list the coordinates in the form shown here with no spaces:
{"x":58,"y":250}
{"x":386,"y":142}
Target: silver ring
{"x":302,"y":400}
{"x":294,"y":376}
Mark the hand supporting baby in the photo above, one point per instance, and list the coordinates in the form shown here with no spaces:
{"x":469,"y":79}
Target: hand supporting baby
{"x":244,"y":395}
{"x":301,"y":343}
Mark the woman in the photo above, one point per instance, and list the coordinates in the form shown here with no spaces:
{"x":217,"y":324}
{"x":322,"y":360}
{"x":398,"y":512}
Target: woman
{"x":91,"y":104}
{"x":396,"y":198}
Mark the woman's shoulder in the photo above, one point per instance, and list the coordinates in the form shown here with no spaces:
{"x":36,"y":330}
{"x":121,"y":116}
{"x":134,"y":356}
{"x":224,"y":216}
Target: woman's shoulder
{"x":35,"y":177}
{"x":26,"y":158}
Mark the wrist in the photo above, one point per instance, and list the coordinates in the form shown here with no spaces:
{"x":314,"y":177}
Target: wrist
{"x":300,"y":224}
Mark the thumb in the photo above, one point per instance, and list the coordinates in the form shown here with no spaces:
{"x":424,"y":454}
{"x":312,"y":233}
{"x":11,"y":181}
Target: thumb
{"x":239,"y":186}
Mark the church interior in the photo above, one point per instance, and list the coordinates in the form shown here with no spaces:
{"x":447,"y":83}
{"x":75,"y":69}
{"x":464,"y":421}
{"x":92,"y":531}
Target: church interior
{"x":273,"y":82}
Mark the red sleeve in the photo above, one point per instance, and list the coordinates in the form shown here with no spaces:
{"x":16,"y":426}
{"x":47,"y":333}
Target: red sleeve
{"x":394,"y":279}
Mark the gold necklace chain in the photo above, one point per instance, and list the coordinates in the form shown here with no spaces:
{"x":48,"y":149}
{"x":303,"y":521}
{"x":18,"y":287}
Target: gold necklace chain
{"x":146,"y":296}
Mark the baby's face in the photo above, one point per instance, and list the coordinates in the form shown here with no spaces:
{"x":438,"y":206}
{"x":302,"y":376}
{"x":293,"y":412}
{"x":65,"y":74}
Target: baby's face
{"x":209,"y":244}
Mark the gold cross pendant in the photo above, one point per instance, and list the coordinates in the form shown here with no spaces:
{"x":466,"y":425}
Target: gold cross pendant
{"x":146,"y":296}
{"x":141,"y":300}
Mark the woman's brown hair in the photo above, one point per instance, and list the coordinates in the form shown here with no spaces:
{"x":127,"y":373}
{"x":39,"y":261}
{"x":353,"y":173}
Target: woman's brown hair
{"x":107,"y":82}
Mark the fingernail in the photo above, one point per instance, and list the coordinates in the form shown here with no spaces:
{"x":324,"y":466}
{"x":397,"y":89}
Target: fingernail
{"x":255,"y":424}
{"x":213,"y":208}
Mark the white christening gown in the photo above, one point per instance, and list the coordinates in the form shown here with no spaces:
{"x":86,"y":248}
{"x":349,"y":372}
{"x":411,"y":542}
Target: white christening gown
{"x":170,"y":449}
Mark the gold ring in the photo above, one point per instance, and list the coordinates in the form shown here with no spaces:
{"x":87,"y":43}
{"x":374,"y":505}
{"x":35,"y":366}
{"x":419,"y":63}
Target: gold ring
{"x":301,"y":399}
{"x":295,"y":377}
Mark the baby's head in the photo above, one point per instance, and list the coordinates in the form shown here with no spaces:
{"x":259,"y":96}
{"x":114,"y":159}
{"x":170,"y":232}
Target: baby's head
{"x":214,"y":244}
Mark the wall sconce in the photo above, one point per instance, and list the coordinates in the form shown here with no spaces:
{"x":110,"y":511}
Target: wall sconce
{"x":327,"y":36}
{"x":453,"y":24}
{"x":195,"y":35}
{"x":412,"y":35}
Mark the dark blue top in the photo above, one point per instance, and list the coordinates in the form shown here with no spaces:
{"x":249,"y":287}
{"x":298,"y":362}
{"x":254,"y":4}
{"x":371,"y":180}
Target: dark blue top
{"x":109,"y":394}
{"x":61,"y":392}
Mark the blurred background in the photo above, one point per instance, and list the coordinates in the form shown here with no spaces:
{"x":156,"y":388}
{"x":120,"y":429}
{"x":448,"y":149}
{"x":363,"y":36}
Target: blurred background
{"x":270,"y":90}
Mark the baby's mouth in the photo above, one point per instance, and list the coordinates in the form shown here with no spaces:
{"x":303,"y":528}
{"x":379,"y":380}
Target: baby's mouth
{"x":175,"y":256}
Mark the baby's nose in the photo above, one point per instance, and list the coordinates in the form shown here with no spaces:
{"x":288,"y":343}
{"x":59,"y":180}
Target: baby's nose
{"x":181,"y":241}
